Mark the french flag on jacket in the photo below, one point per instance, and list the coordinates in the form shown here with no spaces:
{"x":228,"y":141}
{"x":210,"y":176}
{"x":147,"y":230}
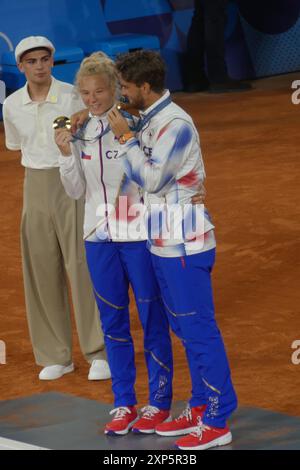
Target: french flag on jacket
{"x":84,"y":156}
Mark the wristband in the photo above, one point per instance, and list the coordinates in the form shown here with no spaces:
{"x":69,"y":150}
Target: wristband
{"x":125,"y":137}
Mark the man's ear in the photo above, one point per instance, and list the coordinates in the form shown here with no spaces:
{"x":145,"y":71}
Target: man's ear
{"x":146,"y":88}
{"x":20,"y":67}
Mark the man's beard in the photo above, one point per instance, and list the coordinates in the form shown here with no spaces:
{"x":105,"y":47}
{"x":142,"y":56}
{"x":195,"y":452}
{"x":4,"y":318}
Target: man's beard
{"x":138,"y":103}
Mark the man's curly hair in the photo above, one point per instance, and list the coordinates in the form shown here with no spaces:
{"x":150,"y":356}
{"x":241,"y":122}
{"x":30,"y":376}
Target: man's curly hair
{"x":142,"y":66}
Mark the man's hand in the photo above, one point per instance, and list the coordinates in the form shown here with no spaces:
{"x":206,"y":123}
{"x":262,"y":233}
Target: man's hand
{"x":118,"y":123}
{"x":199,"y":197}
{"x":62,"y":139}
{"x":78,"y":119}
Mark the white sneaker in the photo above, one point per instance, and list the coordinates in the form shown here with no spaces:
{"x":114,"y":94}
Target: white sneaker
{"x":99,"y":370}
{"x":55,"y":372}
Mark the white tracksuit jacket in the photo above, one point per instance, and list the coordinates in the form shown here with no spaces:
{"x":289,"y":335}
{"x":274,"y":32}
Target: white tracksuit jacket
{"x":165,"y":160}
{"x":114,"y":207}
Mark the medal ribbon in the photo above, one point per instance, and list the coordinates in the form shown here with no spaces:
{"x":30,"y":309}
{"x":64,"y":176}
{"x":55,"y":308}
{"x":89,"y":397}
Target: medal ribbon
{"x":137,"y":128}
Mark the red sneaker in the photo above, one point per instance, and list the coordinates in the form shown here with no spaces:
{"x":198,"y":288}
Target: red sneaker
{"x":150,"y":418}
{"x":125,"y":417}
{"x":204,"y":438}
{"x":186,"y":423}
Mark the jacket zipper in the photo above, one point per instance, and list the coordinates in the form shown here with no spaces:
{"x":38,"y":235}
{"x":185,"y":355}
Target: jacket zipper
{"x":102,"y":180}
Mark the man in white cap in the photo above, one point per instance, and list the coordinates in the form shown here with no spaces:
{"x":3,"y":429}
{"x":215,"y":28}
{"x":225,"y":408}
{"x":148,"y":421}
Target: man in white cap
{"x":52,"y":223}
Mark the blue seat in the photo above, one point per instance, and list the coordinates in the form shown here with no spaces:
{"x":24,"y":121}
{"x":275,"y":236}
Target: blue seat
{"x":118,"y":44}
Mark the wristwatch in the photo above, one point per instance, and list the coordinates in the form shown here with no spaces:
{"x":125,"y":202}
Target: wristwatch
{"x":125,"y":137}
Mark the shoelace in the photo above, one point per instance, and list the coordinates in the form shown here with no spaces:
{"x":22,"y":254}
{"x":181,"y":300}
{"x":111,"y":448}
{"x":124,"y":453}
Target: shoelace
{"x":187,"y":413}
{"x":120,"y":412}
{"x":200,"y":430}
{"x":149,"y":411}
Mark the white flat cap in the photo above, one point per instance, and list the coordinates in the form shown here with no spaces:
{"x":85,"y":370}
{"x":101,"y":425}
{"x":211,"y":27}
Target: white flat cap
{"x":30,"y":43}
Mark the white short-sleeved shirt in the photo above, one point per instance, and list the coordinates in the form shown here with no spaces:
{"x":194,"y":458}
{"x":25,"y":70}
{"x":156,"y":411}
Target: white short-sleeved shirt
{"x":28,"y":124}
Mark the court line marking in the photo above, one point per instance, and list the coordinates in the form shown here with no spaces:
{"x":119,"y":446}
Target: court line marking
{"x":9,"y":444}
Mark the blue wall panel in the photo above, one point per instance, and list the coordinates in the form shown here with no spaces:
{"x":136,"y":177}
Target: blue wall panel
{"x":114,"y":10}
{"x":66,"y":22}
{"x":263,"y":37}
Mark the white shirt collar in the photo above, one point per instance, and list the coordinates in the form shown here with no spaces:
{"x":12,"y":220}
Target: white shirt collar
{"x":52,"y":96}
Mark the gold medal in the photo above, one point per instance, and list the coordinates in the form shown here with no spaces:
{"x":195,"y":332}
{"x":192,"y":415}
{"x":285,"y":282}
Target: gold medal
{"x":62,"y":122}
{"x":123,"y":103}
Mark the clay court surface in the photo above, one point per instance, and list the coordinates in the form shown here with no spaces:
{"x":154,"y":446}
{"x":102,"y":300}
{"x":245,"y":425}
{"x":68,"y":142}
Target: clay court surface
{"x":250,"y":143}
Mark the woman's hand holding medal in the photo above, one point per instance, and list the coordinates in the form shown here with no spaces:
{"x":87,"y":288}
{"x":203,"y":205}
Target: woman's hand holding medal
{"x":63,"y":135}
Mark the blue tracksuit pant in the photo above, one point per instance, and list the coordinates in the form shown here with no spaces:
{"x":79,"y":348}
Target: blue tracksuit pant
{"x":113,"y":266}
{"x":185,"y":284}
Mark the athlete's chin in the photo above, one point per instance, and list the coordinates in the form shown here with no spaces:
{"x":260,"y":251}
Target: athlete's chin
{"x":137,"y":104}
{"x":97,"y":110}
{"x":40,"y":79}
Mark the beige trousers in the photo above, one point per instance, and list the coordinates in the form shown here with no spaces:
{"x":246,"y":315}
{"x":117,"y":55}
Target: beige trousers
{"x":52,"y":251}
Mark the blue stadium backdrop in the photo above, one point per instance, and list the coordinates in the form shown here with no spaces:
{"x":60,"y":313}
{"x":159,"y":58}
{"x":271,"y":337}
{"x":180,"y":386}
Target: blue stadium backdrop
{"x":262,"y":37}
